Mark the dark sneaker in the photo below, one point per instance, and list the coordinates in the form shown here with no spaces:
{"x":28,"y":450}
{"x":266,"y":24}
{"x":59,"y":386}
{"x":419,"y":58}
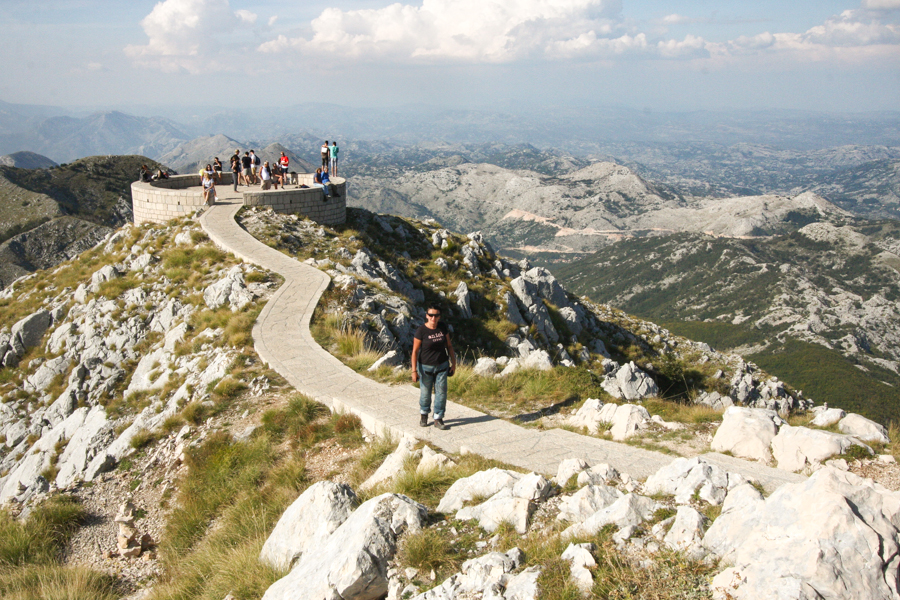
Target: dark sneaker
{"x":439,"y":424}
{"x":423,"y":420}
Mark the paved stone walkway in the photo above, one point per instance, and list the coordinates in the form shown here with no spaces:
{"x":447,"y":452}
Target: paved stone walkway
{"x":283,"y":340}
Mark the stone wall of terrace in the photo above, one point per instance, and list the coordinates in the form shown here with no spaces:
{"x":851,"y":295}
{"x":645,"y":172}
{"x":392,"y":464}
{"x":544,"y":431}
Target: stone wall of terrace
{"x":161,"y":201}
{"x":180,"y":195}
{"x":309,"y":202}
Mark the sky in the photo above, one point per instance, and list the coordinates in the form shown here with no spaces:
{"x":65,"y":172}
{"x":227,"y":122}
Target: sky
{"x":820,"y":55}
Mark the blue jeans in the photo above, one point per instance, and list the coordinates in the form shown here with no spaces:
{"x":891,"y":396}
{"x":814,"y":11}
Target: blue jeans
{"x":433,"y":377}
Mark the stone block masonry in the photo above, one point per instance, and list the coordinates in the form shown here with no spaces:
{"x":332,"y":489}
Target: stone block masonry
{"x":180,"y":196}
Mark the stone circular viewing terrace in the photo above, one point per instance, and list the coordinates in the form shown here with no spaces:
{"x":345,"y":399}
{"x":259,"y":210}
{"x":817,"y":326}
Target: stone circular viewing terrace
{"x":180,"y":195}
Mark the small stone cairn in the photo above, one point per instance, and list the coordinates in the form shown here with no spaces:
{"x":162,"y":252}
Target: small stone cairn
{"x":127,"y":543}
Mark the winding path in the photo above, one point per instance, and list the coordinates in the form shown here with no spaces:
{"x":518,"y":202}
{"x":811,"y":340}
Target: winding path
{"x":283,"y":340}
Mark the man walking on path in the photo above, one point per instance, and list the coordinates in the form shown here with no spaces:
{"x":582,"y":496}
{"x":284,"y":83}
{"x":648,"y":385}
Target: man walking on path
{"x":433,"y":360}
{"x":334,"y":157}
{"x":325,"y":155}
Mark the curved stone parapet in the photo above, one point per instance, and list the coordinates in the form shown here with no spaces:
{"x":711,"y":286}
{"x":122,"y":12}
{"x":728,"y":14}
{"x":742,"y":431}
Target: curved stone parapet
{"x":309,"y":202}
{"x":180,"y":195}
{"x":161,"y":201}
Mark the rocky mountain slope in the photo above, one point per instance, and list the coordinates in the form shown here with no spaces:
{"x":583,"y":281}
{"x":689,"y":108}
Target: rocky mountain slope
{"x":93,"y":194}
{"x":576,"y":210}
{"x":833,"y":286}
{"x":130,"y":393}
{"x":26,"y":160}
{"x":192,"y":156}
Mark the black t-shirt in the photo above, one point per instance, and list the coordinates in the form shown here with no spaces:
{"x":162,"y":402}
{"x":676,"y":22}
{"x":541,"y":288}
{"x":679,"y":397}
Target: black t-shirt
{"x":434,"y":344}
{"x":245,"y":161}
{"x":235,"y":163}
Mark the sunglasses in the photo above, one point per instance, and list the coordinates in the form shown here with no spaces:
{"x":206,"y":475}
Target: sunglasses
{"x":433,"y":315}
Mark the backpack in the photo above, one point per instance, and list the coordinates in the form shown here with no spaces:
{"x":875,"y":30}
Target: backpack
{"x":256,"y":160}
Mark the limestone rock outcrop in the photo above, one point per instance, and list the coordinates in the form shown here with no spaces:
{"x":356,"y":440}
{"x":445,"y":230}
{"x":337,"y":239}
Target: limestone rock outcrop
{"x":834,"y":535}
{"x":352,"y":561}
{"x":308,"y":522}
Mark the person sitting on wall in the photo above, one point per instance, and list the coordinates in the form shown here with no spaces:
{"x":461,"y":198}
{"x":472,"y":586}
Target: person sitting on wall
{"x":160,"y":174}
{"x":145,"y":174}
{"x":217,"y":169}
{"x":320,"y":180}
{"x":326,"y":181}
{"x":209,"y":188}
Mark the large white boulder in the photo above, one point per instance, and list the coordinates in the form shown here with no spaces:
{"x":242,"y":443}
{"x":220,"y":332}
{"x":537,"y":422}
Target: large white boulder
{"x":801,"y":448}
{"x":485,"y":366}
{"x":433,"y":461}
{"x":598,"y":475}
{"x":628,"y":511}
{"x":352,"y":563}
{"x":685,"y":477}
{"x":500,"y":508}
{"x":833,"y":536}
{"x":864,"y":429}
{"x":587,"y":501}
{"x":483,"y":484}
{"x":568,"y":468}
{"x":630,"y":383}
{"x":588,"y":416}
{"x":228,"y":290}
{"x":627,"y":420}
{"x":686,"y":534}
{"x":392,"y":465}
{"x":747,"y":432}
{"x":827,"y":417}
{"x":580,"y":560}
{"x":308,"y":523}
{"x":487,"y":576}
{"x":513,"y":504}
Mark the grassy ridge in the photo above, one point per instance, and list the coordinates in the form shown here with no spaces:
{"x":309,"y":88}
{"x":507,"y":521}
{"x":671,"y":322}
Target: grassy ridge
{"x":827,"y":376}
{"x":824,"y":375}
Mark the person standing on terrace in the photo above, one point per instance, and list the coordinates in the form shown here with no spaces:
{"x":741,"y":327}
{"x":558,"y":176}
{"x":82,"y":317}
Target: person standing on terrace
{"x":334,"y":157}
{"x":236,"y":168}
{"x":433,"y":360}
{"x":326,"y":154}
{"x":284,"y":163}
{"x":245,"y":165}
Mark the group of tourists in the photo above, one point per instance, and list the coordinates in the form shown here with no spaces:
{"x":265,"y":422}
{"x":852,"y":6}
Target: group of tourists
{"x":146,"y":176}
{"x":249,"y":169}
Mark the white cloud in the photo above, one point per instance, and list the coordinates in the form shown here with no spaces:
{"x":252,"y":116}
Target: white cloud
{"x":881,"y":4}
{"x":185,"y":34}
{"x":272,"y":20}
{"x":675,"y":19}
{"x":94,"y":66}
{"x":246,"y":16}
{"x":483,"y":31}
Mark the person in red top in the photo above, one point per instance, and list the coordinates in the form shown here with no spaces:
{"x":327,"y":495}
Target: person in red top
{"x":284,"y":162}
